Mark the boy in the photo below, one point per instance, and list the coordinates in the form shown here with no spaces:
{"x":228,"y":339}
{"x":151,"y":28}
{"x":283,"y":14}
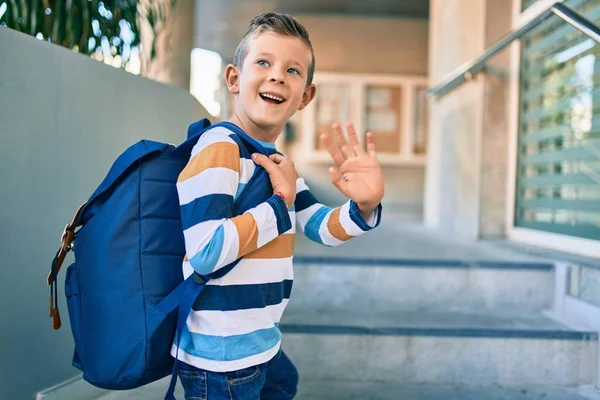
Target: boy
{"x":231,"y":347}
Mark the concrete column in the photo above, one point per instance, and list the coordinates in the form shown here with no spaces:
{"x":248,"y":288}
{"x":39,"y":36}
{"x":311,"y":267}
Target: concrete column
{"x":173,"y":47}
{"x":464,"y":191}
{"x":495,"y":137}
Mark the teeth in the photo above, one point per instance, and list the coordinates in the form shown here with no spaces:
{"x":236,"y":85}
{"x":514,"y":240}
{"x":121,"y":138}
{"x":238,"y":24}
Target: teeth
{"x":270,"y":96}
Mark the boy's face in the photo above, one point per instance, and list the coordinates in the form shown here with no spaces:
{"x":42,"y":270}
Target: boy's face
{"x":271,"y":85}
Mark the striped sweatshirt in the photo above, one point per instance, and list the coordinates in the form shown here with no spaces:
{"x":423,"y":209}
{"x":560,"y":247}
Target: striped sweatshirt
{"x":234,"y":323}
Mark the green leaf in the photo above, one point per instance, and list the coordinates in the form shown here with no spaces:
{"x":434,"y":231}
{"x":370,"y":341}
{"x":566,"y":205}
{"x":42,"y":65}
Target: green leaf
{"x":58,"y":26}
{"x":24,"y":13}
{"x":69,"y":17}
{"x":86,"y":27}
{"x":150,"y":17}
{"x":34,"y":27}
{"x":15,"y":14}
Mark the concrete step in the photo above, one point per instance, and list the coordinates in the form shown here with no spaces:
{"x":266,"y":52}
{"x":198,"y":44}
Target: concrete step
{"x":351,"y":390}
{"x":441,"y":347}
{"x":396,"y":239}
{"x":388,"y":284}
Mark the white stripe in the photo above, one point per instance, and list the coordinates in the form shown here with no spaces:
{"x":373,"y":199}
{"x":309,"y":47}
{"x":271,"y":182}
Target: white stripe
{"x":215,"y":135}
{"x":247,"y":168}
{"x":266,"y":221}
{"x":210,"y":181}
{"x":237,"y":322}
{"x":300,"y":185}
{"x":198,"y":236}
{"x":349,"y":226}
{"x":372,"y":220}
{"x":302,"y":217}
{"x":324,"y":233}
{"x":187,"y":269}
{"x":252,"y":271}
{"x":226,"y":366}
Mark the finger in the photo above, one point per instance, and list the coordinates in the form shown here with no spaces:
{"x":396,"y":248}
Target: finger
{"x":333,"y":149}
{"x":264,"y":161}
{"x":354,"y":142}
{"x":371,"y":145}
{"x":341,"y":141}
{"x":336,"y":177}
{"x":277,"y":158}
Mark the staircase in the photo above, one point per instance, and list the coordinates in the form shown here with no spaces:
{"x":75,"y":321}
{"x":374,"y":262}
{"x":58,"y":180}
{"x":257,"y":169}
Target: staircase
{"x":403,"y":313}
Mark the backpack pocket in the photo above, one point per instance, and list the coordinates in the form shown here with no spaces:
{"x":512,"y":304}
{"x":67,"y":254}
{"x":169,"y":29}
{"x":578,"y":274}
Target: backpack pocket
{"x":74,"y":306}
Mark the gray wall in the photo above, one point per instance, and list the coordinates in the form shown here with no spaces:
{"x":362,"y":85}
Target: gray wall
{"x":63,"y":119}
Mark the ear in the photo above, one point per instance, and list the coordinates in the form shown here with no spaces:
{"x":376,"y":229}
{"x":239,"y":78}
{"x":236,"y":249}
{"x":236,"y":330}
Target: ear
{"x":232,"y":77}
{"x":308,"y":95}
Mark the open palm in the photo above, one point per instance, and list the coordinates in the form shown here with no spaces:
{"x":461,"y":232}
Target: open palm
{"x":358,"y":174}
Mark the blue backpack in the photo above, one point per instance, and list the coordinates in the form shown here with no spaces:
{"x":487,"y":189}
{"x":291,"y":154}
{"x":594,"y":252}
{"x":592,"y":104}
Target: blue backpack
{"x":126,"y":281}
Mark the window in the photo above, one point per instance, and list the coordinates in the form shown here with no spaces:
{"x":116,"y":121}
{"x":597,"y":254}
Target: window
{"x":558,"y":169}
{"x":383,"y":105}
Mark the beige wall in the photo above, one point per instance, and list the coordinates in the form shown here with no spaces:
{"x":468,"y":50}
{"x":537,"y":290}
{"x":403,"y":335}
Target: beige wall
{"x":369,"y":45}
{"x":378,"y":46}
{"x":466,"y":167}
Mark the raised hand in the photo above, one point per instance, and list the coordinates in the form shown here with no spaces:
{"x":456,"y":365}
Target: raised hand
{"x":358,"y":174}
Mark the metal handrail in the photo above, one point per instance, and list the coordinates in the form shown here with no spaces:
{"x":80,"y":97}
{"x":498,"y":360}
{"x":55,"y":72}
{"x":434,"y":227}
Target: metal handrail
{"x":469,"y":69}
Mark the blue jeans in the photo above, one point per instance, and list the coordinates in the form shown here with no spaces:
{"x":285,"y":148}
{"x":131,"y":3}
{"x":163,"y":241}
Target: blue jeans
{"x":276,"y":379}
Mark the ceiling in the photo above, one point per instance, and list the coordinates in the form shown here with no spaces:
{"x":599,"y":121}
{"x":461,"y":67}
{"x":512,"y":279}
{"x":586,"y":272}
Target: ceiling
{"x":220,"y":24}
{"x":407,"y":8}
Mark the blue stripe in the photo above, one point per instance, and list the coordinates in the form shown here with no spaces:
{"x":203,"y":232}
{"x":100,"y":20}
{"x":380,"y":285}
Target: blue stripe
{"x":312,"y":227}
{"x":439,"y":332}
{"x":318,"y":261}
{"x":267,"y":145}
{"x":240,"y":189}
{"x":358,"y":219}
{"x":304,"y":199}
{"x":284,"y":222}
{"x":244,"y":153}
{"x":230,"y":348}
{"x":249,"y":141}
{"x":206,"y":208}
{"x":242,"y":297}
{"x":205,"y":260}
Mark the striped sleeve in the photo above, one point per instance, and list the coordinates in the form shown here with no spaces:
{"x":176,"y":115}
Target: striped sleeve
{"x":330,"y":226}
{"x":206,"y":188}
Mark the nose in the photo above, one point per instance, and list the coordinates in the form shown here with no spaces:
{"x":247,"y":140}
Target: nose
{"x":277,"y":76}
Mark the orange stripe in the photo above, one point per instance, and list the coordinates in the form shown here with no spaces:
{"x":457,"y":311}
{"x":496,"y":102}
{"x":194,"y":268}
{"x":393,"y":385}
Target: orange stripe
{"x":247,"y":233}
{"x":216,"y":155}
{"x":335,"y":227}
{"x":281,"y":247}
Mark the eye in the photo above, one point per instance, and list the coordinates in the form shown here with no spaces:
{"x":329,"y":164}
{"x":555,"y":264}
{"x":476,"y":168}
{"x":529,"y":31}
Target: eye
{"x":263,"y":63}
{"x":293,"y":71}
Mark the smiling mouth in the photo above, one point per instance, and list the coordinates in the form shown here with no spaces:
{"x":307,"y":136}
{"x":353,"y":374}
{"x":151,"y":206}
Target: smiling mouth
{"x":271,"y":98}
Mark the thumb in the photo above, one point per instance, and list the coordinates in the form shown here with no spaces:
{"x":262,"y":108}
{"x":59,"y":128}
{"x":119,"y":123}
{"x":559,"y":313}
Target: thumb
{"x":336,"y":177}
{"x":264,"y":161}
{"x":277,"y":159}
